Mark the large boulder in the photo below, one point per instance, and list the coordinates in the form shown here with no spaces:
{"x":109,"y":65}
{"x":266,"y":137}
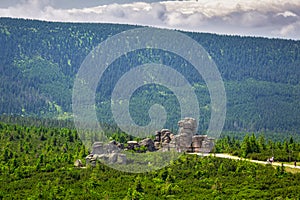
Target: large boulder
{"x":164,"y":140}
{"x":110,"y":158}
{"x":148,"y":143}
{"x":98,"y":148}
{"x":101,"y":148}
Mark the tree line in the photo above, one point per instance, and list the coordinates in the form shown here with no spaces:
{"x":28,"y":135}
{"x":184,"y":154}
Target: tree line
{"x":259,"y":148}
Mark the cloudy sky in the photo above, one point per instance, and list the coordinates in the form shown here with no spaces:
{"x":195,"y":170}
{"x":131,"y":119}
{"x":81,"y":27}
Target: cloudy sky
{"x":267,"y":18}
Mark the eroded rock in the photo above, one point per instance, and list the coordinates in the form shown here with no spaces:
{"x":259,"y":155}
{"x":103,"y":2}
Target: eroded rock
{"x":148,"y":143}
{"x":185,"y":141}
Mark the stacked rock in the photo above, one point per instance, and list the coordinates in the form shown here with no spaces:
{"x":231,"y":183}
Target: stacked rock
{"x":187,"y":128}
{"x":163,"y":138}
{"x":197,"y":142}
{"x":157,"y":140}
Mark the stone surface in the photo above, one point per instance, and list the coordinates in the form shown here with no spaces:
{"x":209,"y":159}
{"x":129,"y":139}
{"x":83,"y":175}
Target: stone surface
{"x":187,"y":125}
{"x":113,"y":158}
{"x":148,"y":143}
{"x":197,"y":140}
{"x":207,"y":145}
{"x":91,"y":160}
{"x":157,"y":136}
{"x":122,"y":159}
{"x":110,"y":158}
{"x":100,"y":148}
{"x":157,"y":145}
{"x":108,"y":153}
{"x":187,"y":128}
{"x":78,"y":163}
{"x":131,"y":145}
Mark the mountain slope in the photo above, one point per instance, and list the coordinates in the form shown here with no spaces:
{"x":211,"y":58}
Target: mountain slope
{"x":39,"y":60}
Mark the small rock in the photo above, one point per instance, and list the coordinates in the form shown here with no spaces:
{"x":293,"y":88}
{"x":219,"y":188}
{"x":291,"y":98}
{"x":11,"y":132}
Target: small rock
{"x":78,"y":163}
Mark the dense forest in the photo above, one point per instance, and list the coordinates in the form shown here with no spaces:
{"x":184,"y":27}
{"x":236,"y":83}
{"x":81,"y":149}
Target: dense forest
{"x":37,"y":163}
{"x":39,"y":60}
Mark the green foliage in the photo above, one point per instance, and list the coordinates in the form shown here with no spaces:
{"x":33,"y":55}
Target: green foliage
{"x":46,"y":171}
{"x":286,"y":150}
{"x":39,"y":61}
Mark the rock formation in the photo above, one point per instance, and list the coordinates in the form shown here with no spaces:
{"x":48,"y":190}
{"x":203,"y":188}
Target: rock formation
{"x":163,"y":138}
{"x":100,"y":148}
{"x":110,"y":158}
{"x":187,"y":128}
{"x":207,"y":145}
{"x":202,"y":144}
{"x":108,"y":153}
{"x":185,"y":141}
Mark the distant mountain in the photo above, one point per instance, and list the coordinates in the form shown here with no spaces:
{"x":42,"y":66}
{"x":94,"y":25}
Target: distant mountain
{"x":39,"y":61}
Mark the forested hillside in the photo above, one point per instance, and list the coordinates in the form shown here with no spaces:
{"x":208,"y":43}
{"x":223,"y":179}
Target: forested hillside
{"x":39,"y":60}
{"x":37,"y":163}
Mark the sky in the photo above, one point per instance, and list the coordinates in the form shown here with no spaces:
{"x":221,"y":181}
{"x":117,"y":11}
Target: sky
{"x":266,"y":18}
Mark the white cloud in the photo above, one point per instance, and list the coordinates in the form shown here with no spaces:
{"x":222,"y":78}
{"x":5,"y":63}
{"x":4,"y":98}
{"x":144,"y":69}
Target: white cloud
{"x":287,"y":14}
{"x":269,"y":18}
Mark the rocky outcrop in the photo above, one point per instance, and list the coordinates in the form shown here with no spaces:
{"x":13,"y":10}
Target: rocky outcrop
{"x":163,"y":139}
{"x":142,"y":146}
{"x":202,"y":144}
{"x":110,"y":158}
{"x":185,"y":141}
{"x":108,"y":153}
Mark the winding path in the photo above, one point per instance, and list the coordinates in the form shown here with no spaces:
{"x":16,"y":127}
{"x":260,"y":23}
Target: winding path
{"x":221,"y":155}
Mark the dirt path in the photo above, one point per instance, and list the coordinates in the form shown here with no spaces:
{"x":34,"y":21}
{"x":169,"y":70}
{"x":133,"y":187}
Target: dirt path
{"x":221,"y":155}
